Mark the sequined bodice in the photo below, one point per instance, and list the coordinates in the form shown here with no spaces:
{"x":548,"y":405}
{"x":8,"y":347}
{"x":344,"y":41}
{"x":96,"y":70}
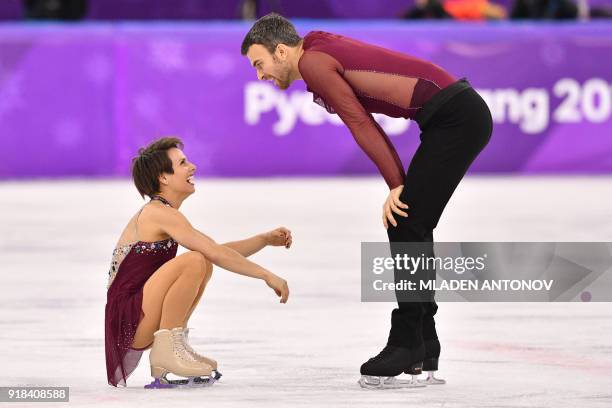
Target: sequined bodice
{"x":140,"y":247}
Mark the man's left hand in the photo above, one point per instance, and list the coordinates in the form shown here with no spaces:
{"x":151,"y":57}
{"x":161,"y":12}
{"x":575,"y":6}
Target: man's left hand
{"x":393,"y":205}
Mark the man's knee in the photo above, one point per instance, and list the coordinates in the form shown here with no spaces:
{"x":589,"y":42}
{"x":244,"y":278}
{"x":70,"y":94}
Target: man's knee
{"x":409,"y":230}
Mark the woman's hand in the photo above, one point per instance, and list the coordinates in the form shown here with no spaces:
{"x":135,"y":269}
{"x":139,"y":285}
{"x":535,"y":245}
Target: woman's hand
{"x":279,"y":237}
{"x":279,"y":285}
{"x":393,"y":205}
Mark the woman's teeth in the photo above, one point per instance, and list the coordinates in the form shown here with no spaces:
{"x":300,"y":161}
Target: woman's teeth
{"x":191,"y":180}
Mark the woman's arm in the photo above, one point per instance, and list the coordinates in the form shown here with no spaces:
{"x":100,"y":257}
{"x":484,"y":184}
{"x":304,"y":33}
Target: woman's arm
{"x":247,"y":247}
{"x":173,"y":223}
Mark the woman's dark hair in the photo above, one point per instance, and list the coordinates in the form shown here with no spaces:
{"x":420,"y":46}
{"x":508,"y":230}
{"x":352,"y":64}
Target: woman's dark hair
{"x":269,"y":31}
{"x":151,"y":162}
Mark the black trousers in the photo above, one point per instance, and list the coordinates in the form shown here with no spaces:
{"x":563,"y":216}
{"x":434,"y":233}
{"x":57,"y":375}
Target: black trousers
{"x":451,"y":138}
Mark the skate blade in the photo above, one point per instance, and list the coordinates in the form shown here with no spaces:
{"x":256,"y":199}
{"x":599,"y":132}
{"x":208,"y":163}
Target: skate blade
{"x":192,"y":382}
{"x":431,"y":380}
{"x":378,"y":383}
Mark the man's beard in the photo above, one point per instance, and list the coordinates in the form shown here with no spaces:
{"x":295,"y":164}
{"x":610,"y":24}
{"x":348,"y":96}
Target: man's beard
{"x":283,"y":80}
{"x":284,"y":84}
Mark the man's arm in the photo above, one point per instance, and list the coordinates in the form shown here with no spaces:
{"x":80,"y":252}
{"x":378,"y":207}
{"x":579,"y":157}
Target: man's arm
{"x":320,"y":71}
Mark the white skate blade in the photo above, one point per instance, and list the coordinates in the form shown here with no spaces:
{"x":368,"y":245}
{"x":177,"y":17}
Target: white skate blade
{"x":190,"y":382}
{"x":432,"y":380}
{"x":380,"y":383}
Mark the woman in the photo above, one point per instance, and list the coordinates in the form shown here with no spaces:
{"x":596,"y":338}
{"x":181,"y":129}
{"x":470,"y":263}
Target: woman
{"x":151,"y":291}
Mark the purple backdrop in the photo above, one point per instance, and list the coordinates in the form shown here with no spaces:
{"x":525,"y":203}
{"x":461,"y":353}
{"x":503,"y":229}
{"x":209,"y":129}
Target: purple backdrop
{"x":79,"y":100}
{"x":230,"y":9}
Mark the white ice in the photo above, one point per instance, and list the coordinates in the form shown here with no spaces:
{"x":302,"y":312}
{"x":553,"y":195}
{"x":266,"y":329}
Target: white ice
{"x":56,"y":239}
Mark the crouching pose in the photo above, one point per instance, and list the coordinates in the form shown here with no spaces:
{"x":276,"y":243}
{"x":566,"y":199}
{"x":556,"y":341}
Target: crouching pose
{"x":152,"y":292}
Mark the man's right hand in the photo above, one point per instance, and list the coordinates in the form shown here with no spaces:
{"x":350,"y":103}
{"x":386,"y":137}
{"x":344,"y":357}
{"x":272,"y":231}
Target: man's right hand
{"x":279,"y":285}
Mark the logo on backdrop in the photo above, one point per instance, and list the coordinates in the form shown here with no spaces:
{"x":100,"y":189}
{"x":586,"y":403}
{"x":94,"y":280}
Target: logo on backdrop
{"x":262,"y":98}
{"x":529,"y":109}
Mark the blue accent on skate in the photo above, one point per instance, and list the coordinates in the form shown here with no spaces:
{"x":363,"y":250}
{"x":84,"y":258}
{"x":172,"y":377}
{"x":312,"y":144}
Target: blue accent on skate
{"x":158,"y":384}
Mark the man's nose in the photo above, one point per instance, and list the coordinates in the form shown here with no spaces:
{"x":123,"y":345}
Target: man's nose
{"x":260,"y":75}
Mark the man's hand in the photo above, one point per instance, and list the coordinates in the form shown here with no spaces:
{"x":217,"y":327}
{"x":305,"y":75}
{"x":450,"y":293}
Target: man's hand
{"x":393,"y":205}
{"x":279,"y":237}
{"x":279,"y":285}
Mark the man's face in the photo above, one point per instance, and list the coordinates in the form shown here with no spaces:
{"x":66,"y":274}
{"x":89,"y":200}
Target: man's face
{"x":271,"y":67}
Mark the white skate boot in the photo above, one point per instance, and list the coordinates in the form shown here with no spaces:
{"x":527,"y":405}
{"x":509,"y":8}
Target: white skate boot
{"x":169,"y":355}
{"x":206,"y":360}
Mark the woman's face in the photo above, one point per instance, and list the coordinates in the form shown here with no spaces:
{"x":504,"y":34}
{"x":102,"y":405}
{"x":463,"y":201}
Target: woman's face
{"x":182,"y":181}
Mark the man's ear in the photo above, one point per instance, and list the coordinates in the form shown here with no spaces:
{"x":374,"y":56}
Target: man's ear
{"x":281,"y":52}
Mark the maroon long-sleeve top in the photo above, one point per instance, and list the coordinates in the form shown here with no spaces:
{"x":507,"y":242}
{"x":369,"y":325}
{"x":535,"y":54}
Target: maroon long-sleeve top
{"x":354,"y":79}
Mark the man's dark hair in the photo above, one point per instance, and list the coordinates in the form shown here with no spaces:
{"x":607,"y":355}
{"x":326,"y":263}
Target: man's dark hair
{"x":269,"y":31}
{"x":151,"y":162}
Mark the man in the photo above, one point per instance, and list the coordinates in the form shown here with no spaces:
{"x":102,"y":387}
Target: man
{"x":354,"y":79}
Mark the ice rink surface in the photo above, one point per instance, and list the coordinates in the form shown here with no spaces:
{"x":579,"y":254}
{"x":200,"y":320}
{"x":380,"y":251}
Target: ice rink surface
{"x":55,"y":248}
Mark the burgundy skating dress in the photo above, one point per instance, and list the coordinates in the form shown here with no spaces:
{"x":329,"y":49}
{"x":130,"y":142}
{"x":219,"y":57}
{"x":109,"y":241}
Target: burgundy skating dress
{"x":131,"y":267}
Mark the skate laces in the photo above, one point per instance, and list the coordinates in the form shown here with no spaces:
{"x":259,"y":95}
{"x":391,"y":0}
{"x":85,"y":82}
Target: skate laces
{"x":179,"y":345}
{"x":191,"y":350}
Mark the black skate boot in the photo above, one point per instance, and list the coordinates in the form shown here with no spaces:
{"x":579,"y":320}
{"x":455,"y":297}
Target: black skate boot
{"x":430,"y":363}
{"x":380,"y":371}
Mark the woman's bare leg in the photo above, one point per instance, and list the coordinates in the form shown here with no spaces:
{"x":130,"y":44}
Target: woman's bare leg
{"x":207,"y":276}
{"x":169,"y":295}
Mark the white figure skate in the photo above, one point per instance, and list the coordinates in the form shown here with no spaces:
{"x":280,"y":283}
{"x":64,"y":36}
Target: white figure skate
{"x":169,"y":355}
{"x":206,"y":360}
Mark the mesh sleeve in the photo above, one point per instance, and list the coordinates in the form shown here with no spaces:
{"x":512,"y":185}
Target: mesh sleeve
{"x":321,"y":72}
